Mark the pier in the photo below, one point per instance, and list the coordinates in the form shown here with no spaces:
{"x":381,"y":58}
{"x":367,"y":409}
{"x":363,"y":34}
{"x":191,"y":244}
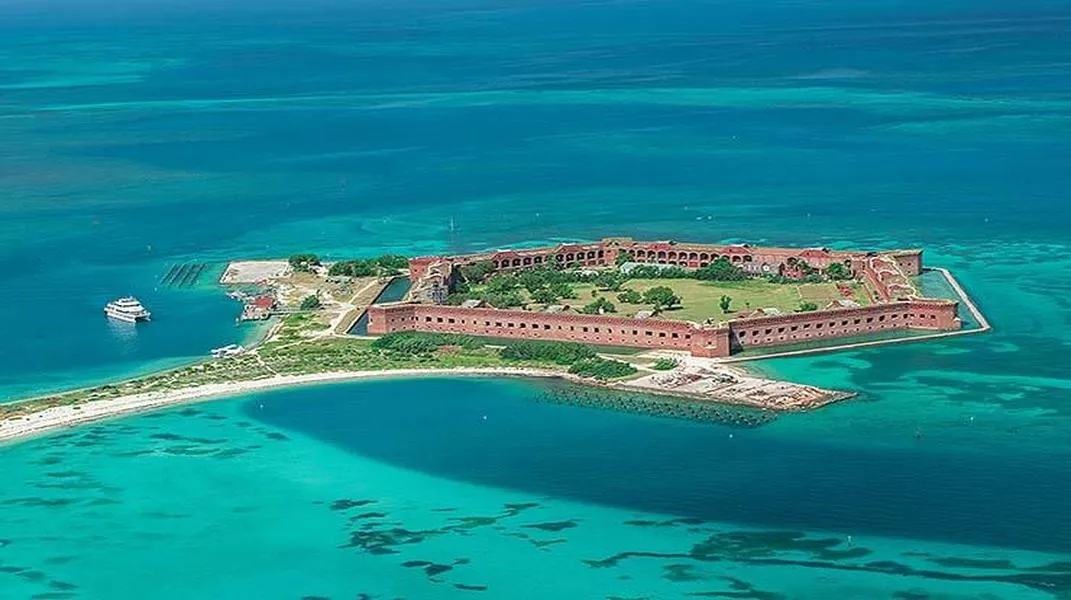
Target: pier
{"x":183,"y":275}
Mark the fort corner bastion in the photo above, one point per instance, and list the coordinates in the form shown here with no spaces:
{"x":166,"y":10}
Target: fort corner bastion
{"x":893,"y":300}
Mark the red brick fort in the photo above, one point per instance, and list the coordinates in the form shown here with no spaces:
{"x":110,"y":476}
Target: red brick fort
{"x":898,"y":305}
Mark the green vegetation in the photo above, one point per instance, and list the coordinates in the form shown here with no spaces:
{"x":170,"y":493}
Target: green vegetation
{"x":838,"y":272}
{"x":695,"y":300}
{"x":304,"y":262}
{"x":602,"y":368}
{"x":808,"y":307}
{"x":721,"y":270}
{"x":610,"y":280}
{"x":561,"y":353}
{"x":701,"y":300}
{"x":292,"y":354}
{"x":564,"y":291}
{"x":660,"y":272}
{"x":310,"y":303}
{"x":544,"y":296}
{"x":415,"y":342}
{"x":661,"y":297}
{"x":476,"y":272}
{"x":725,"y":303}
{"x":665,"y":364}
{"x":386,"y":265}
{"x":598,"y":307}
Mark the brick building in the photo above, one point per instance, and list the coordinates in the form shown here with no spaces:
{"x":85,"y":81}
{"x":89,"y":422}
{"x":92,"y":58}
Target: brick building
{"x":899,"y":305}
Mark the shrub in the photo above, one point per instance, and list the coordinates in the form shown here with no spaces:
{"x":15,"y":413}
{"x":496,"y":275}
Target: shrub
{"x":665,"y":364}
{"x":392,"y":261}
{"x":601,"y":368}
{"x":417,"y":342}
{"x":808,"y":307}
{"x":503,"y":300}
{"x":310,"y":303}
{"x":562,"y":353}
{"x":304,"y":262}
{"x":630,"y":296}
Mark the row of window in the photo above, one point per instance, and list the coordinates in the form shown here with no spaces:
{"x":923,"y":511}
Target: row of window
{"x":538,"y":260}
{"x":583,"y":329}
{"x":832,"y":324}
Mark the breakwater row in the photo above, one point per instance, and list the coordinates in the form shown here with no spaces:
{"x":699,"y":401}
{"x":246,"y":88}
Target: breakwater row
{"x":674,"y":408}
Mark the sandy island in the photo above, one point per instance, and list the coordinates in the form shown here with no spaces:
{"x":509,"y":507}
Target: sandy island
{"x":59,"y":417}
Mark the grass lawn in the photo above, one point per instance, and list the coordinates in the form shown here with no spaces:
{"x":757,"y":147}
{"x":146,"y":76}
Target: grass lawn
{"x":701,"y":298}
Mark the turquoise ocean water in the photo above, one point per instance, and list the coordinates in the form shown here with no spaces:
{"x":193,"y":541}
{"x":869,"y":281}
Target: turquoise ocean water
{"x":139,"y":135}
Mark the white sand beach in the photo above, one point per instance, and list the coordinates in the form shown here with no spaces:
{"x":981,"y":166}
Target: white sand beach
{"x":37,"y":423}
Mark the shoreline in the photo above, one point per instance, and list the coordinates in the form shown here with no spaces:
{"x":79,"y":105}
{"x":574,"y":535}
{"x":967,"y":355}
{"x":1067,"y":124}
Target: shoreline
{"x":39,"y":423}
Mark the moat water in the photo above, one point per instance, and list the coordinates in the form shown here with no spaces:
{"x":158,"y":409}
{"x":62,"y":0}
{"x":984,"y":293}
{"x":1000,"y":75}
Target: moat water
{"x":138,"y":139}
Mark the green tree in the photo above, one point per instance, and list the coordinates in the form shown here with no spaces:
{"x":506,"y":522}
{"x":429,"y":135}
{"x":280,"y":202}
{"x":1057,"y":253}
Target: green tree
{"x":720,"y":270}
{"x":725,"y":303}
{"x":838,"y":271}
{"x":609,"y":280}
{"x":353,"y":268}
{"x":508,"y":299}
{"x":661,"y":296}
{"x":598,"y":307}
{"x":623,"y":257}
{"x":563,"y":290}
{"x":477,"y":271}
{"x":544,"y":296}
{"x":392,"y":262}
{"x":502,"y":283}
{"x":304,"y":262}
{"x":630,"y":296}
{"x":808,"y":307}
{"x":310,"y":303}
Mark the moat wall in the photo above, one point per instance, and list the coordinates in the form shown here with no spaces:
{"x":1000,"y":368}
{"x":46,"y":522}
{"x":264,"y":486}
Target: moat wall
{"x":700,"y":340}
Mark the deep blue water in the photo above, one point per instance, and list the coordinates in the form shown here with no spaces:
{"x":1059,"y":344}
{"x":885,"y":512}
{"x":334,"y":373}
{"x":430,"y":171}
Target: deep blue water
{"x":497,"y":435}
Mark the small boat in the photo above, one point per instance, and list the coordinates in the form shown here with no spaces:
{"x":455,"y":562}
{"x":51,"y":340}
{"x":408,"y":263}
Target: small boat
{"x":227,"y":351}
{"x":127,"y":309}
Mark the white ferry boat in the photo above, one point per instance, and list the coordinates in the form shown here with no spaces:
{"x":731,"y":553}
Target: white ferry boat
{"x":127,"y":309}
